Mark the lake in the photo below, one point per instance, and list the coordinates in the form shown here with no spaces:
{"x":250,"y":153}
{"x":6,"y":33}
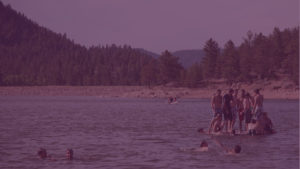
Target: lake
{"x":136,"y":133}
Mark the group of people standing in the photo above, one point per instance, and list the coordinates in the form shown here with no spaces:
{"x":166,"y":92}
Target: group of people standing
{"x":232,"y":105}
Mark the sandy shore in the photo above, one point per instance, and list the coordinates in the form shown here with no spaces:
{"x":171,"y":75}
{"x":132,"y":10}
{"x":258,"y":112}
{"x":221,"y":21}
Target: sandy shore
{"x":269,"y":92}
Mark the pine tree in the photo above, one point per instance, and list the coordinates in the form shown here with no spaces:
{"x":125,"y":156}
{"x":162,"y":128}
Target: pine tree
{"x":230,"y":67}
{"x":169,"y":68}
{"x":209,"y":62}
{"x":245,"y":52}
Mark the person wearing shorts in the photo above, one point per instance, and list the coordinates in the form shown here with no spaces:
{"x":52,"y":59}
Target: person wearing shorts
{"x":258,"y":104}
{"x":240,"y":112}
{"x":227,"y":112}
{"x":247,"y":109}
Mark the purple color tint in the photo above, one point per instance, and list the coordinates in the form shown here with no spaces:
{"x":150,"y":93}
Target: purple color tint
{"x":157,"y":25}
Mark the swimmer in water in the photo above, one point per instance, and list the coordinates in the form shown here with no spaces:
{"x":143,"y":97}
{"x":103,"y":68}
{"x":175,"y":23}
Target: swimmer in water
{"x":69,"y":154}
{"x":236,"y":150}
{"x":42,"y":153}
{"x":203,"y":147}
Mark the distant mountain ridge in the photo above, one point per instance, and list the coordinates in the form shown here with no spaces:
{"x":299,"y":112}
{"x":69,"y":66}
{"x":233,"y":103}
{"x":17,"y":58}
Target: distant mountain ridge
{"x":187,"y":57}
{"x":147,"y":52}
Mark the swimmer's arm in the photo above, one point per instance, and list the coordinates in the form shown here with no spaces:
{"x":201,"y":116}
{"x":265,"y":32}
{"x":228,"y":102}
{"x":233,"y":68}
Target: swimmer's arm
{"x":220,"y":144}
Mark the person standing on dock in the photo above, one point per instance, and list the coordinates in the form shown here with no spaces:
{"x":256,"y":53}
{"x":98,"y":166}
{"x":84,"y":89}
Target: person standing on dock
{"x":216,"y":105}
{"x":226,"y":105}
{"x":258,"y":104}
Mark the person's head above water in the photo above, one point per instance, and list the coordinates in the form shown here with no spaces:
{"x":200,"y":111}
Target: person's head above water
{"x":69,"y":154}
{"x":203,"y":144}
{"x":42,"y":153}
{"x":237,"y":149}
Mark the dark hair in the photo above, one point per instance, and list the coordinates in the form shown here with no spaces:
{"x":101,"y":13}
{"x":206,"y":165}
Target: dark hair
{"x":237,"y":149}
{"x":233,"y":132}
{"x":231,"y":91}
{"x":219,"y":90}
{"x":203,"y":144}
{"x":247,"y":94}
{"x":256,"y":91}
{"x":70,"y":151}
{"x":42,"y":153}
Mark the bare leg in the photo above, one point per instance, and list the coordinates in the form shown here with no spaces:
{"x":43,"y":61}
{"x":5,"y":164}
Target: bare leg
{"x":241,"y":125}
{"x":224,"y":124}
{"x":212,"y":124}
{"x":229,"y":126}
{"x":232,"y":124}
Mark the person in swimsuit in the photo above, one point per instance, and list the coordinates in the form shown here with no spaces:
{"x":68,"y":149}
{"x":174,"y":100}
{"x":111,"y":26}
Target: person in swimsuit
{"x":247,"y":109}
{"x":227,"y":112}
{"x":216,"y":105}
{"x":70,"y":154}
{"x":258,"y":104}
{"x":251,"y":127}
{"x":234,"y":108}
{"x":264,"y":125}
{"x":241,"y":109}
{"x":42,"y":153}
{"x":203,"y":147}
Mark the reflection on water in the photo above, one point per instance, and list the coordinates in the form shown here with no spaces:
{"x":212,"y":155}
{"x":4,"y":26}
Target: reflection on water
{"x":135,"y":133}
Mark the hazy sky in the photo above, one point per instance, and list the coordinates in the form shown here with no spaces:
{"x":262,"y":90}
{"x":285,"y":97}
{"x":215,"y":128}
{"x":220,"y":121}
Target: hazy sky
{"x":157,"y":25}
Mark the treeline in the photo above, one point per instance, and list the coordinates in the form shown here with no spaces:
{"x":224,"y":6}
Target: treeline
{"x":33,"y":55}
{"x":258,"y":57}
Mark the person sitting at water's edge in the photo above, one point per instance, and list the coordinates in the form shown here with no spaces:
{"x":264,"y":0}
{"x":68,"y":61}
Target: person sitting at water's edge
{"x":263,"y":125}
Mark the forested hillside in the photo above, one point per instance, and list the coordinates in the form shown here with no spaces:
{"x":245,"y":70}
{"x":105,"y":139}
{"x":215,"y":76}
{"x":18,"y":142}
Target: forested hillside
{"x":258,"y":57}
{"x":34,"y":55}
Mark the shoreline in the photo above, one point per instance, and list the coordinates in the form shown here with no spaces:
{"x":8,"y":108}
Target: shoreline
{"x":140,"y":91}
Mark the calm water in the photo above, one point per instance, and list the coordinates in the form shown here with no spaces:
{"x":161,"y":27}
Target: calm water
{"x":135,"y":133}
